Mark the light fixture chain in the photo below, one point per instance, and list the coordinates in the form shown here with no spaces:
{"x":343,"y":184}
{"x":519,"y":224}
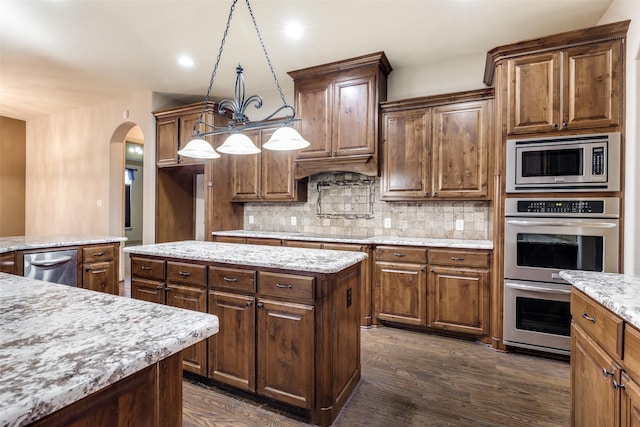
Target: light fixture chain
{"x":264,"y":49}
{"x":215,"y":67}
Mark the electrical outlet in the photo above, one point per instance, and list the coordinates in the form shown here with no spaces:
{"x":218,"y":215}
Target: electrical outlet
{"x":250,"y":219}
{"x":99,"y":203}
{"x":294,"y":220}
{"x":459,"y":224}
{"x":387,"y":223}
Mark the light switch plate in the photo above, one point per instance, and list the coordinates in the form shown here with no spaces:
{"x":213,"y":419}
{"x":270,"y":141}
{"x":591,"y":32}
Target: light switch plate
{"x":387,"y":223}
{"x":459,"y":224}
{"x":294,"y":220}
{"x":250,"y":219}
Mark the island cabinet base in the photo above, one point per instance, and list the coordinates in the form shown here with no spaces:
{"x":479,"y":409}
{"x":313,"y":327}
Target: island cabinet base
{"x":149,"y":398}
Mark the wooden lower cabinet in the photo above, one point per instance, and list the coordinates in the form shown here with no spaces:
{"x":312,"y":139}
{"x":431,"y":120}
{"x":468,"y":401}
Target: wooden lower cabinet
{"x":401,"y":292}
{"x":630,"y":411}
{"x":194,"y":358}
{"x":8,"y":263}
{"x":100,"y":268}
{"x":148,"y":290}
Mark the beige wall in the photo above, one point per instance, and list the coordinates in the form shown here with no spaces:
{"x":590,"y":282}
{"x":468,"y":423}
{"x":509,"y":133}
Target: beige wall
{"x":12,"y":176}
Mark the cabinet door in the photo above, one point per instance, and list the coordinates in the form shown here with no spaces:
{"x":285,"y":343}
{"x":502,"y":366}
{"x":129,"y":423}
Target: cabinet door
{"x":232,"y":350}
{"x":400,"y":293}
{"x":186,"y":123}
{"x":246,"y":173}
{"x":147,"y":290}
{"x":405,"y":155}
{"x":460,"y":143}
{"x":593,"y":85}
{"x":313,"y":103}
{"x":194,"y":358}
{"x":277,"y":167}
{"x":630,"y":416}
{"x":458,"y":300}
{"x":100,"y":276}
{"x":8,"y":263}
{"x":533,"y":93}
{"x":594,"y":402}
{"x":286,"y":352}
{"x":167,"y":142}
{"x":354,"y":117}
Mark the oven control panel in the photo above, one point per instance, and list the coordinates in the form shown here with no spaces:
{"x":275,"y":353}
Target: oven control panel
{"x":561,"y":206}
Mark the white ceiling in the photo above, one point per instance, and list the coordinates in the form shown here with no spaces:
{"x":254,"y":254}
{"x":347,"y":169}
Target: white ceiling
{"x":57,"y":55}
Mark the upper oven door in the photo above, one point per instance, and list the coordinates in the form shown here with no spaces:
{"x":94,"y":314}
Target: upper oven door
{"x":537,"y":248}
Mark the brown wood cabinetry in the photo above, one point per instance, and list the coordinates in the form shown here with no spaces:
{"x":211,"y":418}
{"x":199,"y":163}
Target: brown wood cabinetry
{"x":8,"y":263}
{"x":176,"y":178}
{"x":338,"y":107}
{"x":100,"y":268}
{"x":266,"y":176}
{"x":437,"y":147}
{"x":458,"y":291}
{"x":604,"y":366}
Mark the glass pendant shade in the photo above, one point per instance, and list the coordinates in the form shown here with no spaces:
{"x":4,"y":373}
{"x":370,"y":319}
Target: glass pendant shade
{"x":238,"y":143}
{"x":199,"y":149}
{"x":286,"y":138}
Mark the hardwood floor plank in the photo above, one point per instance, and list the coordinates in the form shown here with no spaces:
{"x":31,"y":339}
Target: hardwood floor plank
{"x":416,"y":379}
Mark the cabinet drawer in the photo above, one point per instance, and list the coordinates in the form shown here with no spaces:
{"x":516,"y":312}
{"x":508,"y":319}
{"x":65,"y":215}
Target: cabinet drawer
{"x":286,"y":285}
{"x":632,"y":350}
{"x":232,"y":278}
{"x":401,"y":254}
{"x":459,"y":258}
{"x":193,"y":274}
{"x":98,"y":253}
{"x":597,"y":321}
{"x":147,"y":268}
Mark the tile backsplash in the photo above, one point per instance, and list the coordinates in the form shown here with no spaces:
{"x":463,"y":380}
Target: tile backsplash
{"x":348,"y":204}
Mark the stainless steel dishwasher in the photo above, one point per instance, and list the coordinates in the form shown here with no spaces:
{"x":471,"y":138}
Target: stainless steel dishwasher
{"x":52,"y":266}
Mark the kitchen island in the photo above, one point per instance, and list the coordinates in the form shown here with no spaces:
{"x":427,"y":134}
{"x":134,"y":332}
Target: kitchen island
{"x":290,"y":330}
{"x":605,"y":349}
{"x":68,"y":355}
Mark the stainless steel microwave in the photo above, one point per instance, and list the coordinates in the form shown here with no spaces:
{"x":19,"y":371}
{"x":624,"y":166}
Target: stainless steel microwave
{"x":565,"y":163}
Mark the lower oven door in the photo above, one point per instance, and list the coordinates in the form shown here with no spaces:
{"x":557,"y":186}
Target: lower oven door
{"x":538,"y":248}
{"x":537,"y":316}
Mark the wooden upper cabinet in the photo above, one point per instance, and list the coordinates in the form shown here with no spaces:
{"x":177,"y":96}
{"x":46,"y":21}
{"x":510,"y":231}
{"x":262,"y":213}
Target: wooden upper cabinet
{"x":564,"y":82}
{"x":437,"y":147}
{"x":167,"y":141}
{"x":405,"y":153}
{"x":461,"y":134}
{"x":266,"y":176}
{"x":338,"y":107}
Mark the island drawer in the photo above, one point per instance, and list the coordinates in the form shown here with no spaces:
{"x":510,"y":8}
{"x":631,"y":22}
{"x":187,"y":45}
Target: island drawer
{"x":597,"y":321}
{"x":147,"y":268}
{"x":286,"y":285}
{"x":401,"y":254}
{"x":232,"y":278}
{"x":632,"y":349}
{"x":459,"y":258}
{"x":180,"y":272}
{"x":98,"y":253}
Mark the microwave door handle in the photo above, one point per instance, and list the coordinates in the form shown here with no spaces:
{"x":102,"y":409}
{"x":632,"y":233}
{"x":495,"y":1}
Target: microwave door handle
{"x":562,"y":223}
{"x":538,"y":289}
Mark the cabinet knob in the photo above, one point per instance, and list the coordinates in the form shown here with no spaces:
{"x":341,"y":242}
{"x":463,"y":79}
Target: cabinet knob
{"x":565,"y":124}
{"x":249,"y":303}
{"x":260,"y":305}
{"x":555,"y":126}
{"x":616,"y":385}
{"x":606,"y":373}
{"x":159,"y":288}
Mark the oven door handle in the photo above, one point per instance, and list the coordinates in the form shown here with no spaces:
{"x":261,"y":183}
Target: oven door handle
{"x":585,"y":224}
{"x":538,"y":289}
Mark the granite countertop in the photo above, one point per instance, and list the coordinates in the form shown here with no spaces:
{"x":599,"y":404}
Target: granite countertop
{"x":620,"y":293}
{"x":17,"y":243}
{"x":371,"y":240}
{"x":59,"y":344}
{"x":281,"y":257}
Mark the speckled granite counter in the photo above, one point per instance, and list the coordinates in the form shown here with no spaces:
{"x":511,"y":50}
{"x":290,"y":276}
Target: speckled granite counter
{"x":59,"y":344}
{"x":618,"y":292}
{"x":18,"y":243}
{"x":375,"y":240}
{"x":298,"y":259}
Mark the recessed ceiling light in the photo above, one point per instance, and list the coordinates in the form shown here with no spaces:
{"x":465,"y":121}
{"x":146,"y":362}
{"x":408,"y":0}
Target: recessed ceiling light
{"x":185,"y":61}
{"x":293,"y":30}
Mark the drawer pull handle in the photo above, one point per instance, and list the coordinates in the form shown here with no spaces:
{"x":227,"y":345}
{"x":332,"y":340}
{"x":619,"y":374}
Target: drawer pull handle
{"x":98,"y":254}
{"x":456,"y":258}
{"x":606,"y":373}
{"x":586,"y":316}
{"x":184,"y":273}
{"x":399,"y":255}
{"x":278,"y":285}
{"x":229,"y":279}
{"x":142,"y":267}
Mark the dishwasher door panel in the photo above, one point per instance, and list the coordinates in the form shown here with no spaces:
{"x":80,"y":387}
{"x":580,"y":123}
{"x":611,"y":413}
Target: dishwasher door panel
{"x":53,"y":266}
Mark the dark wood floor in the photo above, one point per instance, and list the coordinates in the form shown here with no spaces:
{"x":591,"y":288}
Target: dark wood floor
{"x":416,"y":379}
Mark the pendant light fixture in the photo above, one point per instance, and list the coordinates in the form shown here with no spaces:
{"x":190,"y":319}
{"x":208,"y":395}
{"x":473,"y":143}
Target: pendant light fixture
{"x":284,"y":138}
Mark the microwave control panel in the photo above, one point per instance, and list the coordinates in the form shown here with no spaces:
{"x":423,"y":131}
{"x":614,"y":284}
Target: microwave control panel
{"x":561,"y":206}
{"x":597,"y":162}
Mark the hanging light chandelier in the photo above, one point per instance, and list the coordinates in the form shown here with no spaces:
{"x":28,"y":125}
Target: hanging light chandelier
{"x":284,"y":138}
